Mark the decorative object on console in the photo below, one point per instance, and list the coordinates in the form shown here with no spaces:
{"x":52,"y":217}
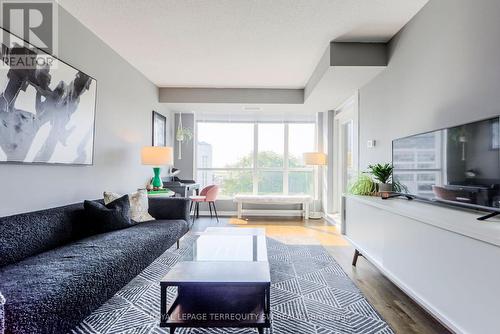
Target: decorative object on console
{"x":183,"y":134}
{"x":47,"y":111}
{"x":363,"y":185}
{"x":315,"y":159}
{"x":138,"y":204}
{"x":383,"y":174}
{"x":157,"y":156}
{"x":159,"y":129}
{"x":113,"y":216}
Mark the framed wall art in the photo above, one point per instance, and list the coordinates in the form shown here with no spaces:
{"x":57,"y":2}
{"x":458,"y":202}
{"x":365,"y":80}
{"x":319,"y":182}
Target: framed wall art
{"x":47,"y":107}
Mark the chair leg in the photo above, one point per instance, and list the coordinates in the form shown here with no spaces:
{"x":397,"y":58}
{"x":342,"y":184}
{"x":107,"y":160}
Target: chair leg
{"x":194,"y":212}
{"x":215,"y":210}
{"x":197,"y":209}
{"x":210,"y":207}
{"x":191,"y":207}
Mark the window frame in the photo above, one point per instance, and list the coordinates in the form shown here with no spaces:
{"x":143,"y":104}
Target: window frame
{"x":255,"y":169}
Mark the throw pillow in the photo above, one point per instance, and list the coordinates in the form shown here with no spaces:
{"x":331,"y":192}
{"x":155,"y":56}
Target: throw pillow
{"x":109,"y":217}
{"x":139,"y":204}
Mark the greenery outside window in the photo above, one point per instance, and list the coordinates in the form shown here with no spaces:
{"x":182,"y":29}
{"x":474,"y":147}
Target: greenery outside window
{"x":255,"y":157}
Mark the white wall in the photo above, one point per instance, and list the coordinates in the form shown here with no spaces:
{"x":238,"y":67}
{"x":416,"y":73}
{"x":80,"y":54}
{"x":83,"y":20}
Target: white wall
{"x":125,"y":100}
{"x":444,"y":70}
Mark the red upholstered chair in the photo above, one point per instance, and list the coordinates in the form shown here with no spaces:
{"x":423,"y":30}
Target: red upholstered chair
{"x":207,"y":195}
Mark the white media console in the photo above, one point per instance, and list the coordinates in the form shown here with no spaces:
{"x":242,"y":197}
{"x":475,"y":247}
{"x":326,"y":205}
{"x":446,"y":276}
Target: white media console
{"x":443,"y":258}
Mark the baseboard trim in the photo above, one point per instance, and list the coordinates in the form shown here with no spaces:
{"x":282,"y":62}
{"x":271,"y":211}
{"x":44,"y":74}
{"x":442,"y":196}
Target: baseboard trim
{"x":329,"y":219}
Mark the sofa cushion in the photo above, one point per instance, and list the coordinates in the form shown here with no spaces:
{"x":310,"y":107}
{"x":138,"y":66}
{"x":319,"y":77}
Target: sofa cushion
{"x":139,"y":204}
{"x":113,"y":216}
{"x":27,"y":234}
{"x":53,"y":291}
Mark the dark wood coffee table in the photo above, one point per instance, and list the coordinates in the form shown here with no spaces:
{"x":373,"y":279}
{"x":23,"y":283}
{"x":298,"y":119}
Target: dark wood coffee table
{"x":226,"y":285}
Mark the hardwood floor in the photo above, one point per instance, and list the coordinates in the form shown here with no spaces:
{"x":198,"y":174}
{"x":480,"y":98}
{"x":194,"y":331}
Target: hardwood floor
{"x":403,"y":315}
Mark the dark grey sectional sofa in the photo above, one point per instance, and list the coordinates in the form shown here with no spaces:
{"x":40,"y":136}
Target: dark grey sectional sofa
{"x":54,"y":271}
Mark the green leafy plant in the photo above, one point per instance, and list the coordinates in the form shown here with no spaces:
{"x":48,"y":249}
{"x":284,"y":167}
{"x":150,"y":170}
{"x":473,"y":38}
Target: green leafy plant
{"x":184,"y":134}
{"x":381,"y":172}
{"x":362,"y":185}
{"x":399,"y":187}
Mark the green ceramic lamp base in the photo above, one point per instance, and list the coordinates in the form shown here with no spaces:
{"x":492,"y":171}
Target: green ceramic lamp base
{"x":157,"y":183}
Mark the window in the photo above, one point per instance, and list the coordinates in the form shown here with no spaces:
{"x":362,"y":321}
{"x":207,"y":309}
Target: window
{"x":255,"y":157}
{"x":229,"y":145}
{"x":300,"y":182}
{"x":271,"y":145}
{"x":301,"y":138}
{"x":270,"y":182}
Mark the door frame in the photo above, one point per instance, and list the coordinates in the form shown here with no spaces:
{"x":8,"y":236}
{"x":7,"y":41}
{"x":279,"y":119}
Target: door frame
{"x":348,"y":111}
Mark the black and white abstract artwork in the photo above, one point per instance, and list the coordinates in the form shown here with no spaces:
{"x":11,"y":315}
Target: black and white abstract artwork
{"x":47,"y":108}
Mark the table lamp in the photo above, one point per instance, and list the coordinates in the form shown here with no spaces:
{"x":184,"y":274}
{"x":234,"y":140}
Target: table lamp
{"x":315,"y":159}
{"x":157,"y":156}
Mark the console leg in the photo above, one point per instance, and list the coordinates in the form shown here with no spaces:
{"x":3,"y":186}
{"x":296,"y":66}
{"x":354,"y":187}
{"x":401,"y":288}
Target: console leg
{"x":489,"y":215}
{"x":260,"y":330}
{"x":355,"y":257}
{"x":172,"y":330}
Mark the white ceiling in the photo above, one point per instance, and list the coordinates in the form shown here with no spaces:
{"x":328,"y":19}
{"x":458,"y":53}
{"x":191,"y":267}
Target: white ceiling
{"x":236,"y":43}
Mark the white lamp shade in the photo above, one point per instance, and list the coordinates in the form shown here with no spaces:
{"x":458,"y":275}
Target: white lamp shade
{"x":157,"y":155}
{"x":315,"y":158}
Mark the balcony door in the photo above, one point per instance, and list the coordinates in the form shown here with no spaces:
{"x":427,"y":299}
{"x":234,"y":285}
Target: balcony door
{"x":346,"y":147}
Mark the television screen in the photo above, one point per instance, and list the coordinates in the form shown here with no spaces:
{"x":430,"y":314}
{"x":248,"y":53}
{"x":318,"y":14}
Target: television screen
{"x":459,"y":164}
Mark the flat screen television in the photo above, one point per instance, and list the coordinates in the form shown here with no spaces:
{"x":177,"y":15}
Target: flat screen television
{"x":459,"y":165}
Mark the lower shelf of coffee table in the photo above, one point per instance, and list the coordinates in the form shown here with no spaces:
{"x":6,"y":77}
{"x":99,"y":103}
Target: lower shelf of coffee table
{"x":209,"y":307}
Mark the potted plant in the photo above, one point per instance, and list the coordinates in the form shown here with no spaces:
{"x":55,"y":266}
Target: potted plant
{"x":183,"y":134}
{"x":383,"y":174}
{"x":362,"y":185}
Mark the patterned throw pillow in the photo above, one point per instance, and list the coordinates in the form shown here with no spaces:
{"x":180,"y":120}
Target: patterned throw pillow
{"x":139,"y":204}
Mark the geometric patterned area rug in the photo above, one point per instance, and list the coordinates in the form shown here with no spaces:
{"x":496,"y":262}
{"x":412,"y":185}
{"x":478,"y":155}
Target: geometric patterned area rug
{"x":310,"y":293}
